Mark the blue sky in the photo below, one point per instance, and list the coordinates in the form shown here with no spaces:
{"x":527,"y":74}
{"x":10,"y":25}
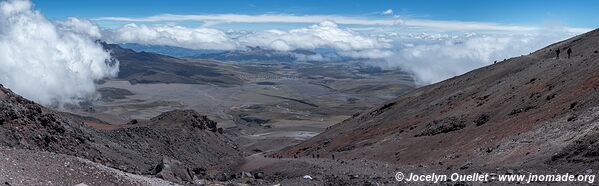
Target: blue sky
{"x":507,"y":12}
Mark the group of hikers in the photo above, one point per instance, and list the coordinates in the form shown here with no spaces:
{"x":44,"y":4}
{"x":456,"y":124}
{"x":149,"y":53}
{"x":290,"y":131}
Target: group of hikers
{"x":569,"y":51}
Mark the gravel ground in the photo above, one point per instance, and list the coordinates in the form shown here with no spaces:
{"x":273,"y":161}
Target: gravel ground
{"x":25,"y":167}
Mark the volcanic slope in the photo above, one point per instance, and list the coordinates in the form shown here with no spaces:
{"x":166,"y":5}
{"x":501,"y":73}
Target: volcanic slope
{"x":140,"y":147}
{"x":532,"y":111}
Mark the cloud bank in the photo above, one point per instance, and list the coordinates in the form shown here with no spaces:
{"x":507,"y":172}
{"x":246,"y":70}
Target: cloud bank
{"x":430,"y":56}
{"x":50,"y":63}
{"x":193,"y":38}
{"x":436,"y":57}
{"x":79,"y":26}
{"x":323,"y":35}
{"x":326,"y":34}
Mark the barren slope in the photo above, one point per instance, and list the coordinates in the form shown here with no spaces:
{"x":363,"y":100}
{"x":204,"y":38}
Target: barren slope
{"x":26,"y":167}
{"x":528,"y":111}
{"x":138,"y":147}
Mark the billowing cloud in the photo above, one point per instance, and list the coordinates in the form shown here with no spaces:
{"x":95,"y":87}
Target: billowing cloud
{"x":50,"y":63}
{"x":323,"y":35}
{"x":432,"y":49}
{"x":193,"y":38}
{"x":435,"y":57}
{"x":327,"y":35}
{"x":79,"y":26}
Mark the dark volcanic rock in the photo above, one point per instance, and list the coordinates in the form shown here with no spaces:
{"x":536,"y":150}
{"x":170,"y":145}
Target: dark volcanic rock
{"x":443,"y":126}
{"x":187,"y":118}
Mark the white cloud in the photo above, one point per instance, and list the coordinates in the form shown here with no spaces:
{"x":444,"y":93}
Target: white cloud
{"x":193,"y":38}
{"x":431,"y":49}
{"x":84,"y":27}
{"x":49,"y":64}
{"x":367,"y":54}
{"x":326,"y":34}
{"x":323,"y":35}
{"x":388,"y":12}
{"x":313,"y":57}
{"x":438,"y":56}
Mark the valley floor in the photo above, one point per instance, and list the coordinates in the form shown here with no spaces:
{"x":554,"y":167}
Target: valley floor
{"x":268,"y":112}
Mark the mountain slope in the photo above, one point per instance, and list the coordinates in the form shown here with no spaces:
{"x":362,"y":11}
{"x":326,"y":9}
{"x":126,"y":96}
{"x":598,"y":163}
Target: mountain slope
{"x":138,"y":147}
{"x":531,"y":110}
{"x":146,"y":67}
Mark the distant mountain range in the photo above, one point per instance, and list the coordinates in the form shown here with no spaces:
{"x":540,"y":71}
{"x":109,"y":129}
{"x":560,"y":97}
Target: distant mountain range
{"x":248,"y":54}
{"x":167,"y":50}
{"x":149,"y":67}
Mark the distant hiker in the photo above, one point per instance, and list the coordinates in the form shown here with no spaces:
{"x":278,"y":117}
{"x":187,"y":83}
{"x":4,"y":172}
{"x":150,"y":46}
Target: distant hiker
{"x":557,"y":52}
{"x":569,"y":52}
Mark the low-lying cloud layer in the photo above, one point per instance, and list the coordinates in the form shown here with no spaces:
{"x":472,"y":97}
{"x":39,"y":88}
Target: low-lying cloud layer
{"x":327,"y":35}
{"x":324,"y":35}
{"x":436,"y":57}
{"x":50,"y":63}
{"x":430,"y":56}
{"x":193,"y":38}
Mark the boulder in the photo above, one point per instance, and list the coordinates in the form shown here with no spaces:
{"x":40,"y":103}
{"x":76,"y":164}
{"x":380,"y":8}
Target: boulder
{"x":259,"y":175}
{"x":173,"y":170}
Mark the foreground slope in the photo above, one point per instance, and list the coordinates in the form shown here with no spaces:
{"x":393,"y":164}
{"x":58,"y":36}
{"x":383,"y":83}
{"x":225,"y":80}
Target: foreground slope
{"x":27,"y":167}
{"x":140,"y":147}
{"x":529,"y":111}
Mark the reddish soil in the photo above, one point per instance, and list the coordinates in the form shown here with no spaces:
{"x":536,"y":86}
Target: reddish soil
{"x":528,"y":111}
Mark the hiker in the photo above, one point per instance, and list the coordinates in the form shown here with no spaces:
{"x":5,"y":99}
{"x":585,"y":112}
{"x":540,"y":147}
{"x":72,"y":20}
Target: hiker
{"x":569,"y":52}
{"x":557,"y":52}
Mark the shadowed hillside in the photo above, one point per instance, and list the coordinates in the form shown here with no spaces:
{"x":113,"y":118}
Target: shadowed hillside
{"x":183,"y":136}
{"x":146,"y":67}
